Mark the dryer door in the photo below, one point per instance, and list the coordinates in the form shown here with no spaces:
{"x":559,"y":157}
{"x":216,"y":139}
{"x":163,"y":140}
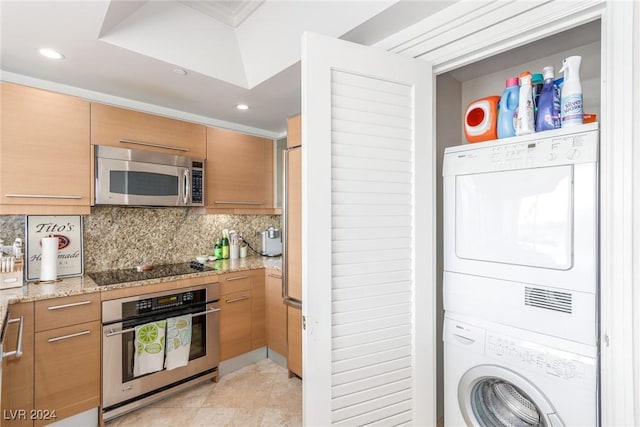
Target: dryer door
{"x":495,"y":396}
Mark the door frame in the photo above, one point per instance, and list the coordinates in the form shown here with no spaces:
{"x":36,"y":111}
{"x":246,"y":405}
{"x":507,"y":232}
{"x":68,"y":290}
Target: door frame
{"x":484,"y":29}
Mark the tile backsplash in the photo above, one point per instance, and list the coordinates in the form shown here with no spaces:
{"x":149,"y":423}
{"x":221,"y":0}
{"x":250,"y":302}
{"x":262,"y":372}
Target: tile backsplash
{"x":123,"y":237}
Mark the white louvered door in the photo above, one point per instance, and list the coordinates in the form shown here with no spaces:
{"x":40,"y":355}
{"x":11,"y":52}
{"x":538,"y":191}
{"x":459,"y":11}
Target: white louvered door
{"x":368,"y":236}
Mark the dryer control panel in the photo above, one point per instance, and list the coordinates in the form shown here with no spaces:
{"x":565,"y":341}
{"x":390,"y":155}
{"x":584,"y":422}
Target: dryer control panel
{"x":545,"y":149}
{"x":541,"y":359}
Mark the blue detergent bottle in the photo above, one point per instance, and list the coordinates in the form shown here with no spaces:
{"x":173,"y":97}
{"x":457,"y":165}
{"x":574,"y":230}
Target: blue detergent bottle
{"x":508,"y":105}
{"x":548,"y":115}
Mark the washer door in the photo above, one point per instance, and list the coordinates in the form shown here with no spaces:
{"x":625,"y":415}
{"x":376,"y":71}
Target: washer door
{"x":493,"y":396}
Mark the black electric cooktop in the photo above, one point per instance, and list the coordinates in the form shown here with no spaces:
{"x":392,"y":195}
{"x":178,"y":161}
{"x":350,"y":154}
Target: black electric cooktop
{"x":103,"y":278}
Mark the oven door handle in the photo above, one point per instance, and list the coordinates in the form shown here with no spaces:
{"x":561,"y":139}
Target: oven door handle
{"x":204,"y":313}
{"x":113,"y":332}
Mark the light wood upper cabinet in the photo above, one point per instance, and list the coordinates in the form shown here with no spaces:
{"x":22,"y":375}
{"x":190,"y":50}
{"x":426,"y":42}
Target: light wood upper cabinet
{"x":276,"y":312}
{"x":17,"y":371}
{"x":239,"y":171}
{"x":294,"y":224}
{"x":45,"y":152}
{"x":120,"y":127}
{"x":294,"y":131}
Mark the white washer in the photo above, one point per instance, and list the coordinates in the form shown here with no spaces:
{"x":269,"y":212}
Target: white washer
{"x":497,"y":375}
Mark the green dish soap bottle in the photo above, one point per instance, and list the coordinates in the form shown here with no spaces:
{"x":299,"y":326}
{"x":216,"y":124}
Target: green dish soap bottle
{"x":217,"y":250}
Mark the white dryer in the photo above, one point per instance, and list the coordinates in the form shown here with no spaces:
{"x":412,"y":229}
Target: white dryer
{"x":521,"y":231}
{"x":497,"y":376}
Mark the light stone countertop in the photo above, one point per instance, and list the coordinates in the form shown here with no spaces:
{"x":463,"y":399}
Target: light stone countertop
{"x":82,"y":285}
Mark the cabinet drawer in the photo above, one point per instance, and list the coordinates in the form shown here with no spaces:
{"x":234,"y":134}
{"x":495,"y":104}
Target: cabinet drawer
{"x":235,"y":282}
{"x":59,"y":312}
{"x":67,"y":369}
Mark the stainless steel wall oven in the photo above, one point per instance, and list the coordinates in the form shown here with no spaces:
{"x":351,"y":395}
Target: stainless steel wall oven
{"x":122,"y":390}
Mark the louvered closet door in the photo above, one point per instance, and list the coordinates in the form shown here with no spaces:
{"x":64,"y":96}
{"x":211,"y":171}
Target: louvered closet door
{"x":368,"y":237}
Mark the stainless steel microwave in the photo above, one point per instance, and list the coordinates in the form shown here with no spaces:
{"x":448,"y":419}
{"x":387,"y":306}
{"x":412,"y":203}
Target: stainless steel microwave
{"x":145,"y":178}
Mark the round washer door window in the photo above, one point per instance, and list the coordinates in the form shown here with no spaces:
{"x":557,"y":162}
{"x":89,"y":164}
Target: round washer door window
{"x":493,"y":396}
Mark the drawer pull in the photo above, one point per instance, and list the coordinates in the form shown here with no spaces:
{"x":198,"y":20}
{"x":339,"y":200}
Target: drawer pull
{"x":17,"y":353}
{"x":231,"y":279}
{"x":44,"y":196}
{"x":232,"y":300}
{"x":228,"y":202}
{"x":275,"y":276}
{"x":150,"y":144}
{"x":74,"y":304}
{"x":65,"y":337}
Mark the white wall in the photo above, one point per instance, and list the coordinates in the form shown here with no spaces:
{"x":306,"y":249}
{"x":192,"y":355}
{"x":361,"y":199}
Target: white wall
{"x":448,"y":129}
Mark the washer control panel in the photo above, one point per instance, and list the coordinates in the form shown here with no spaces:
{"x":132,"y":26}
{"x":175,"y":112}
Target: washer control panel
{"x":541,"y":359}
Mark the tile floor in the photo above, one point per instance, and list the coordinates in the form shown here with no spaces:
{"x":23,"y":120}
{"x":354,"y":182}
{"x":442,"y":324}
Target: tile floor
{"x":257,"y":395}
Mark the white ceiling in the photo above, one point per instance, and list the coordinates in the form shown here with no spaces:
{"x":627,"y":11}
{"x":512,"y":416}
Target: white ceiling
{"x":125,"y":52}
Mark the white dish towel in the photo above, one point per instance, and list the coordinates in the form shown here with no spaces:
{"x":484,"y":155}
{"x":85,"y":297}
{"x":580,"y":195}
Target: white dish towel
{"x":178,"y":341}
{"x":149,"y":348}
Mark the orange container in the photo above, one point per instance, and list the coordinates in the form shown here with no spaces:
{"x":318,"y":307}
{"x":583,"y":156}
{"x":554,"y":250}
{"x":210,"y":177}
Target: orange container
{"x":481,"y":119}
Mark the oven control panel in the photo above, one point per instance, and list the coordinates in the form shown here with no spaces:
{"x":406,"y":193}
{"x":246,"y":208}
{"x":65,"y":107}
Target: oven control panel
{"x":164,"y":302}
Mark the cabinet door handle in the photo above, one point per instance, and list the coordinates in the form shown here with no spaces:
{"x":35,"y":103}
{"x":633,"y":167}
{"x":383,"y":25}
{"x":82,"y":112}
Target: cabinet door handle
{"x":227,"y":202}
{"x":65,"y":337}
{"x":275,"y":276}
{"x":231,"y":279}
{"x":113,"y":332}
{"x":74,"y":304}
{"x":232,"y":300}
{"x":17,"y":353}
{"x":44,"y":196}
{"x":150,"y":144}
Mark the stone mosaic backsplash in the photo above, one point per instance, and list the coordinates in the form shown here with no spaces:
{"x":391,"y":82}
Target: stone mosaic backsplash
{"x":123,"y":237}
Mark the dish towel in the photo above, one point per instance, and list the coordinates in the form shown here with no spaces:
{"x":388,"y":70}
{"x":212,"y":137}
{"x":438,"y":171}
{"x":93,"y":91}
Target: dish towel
{"x":178,"y":341}
{"x":149,"y":348}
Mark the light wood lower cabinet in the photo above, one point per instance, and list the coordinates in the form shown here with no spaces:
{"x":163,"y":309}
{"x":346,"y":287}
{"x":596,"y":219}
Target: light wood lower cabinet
{"x":67,"y":370}
{"x":294,"y":338}
{"x":17,"y":372}
{"x":258,"y":321}
{"x":235,"y":324}
{"x":276,"y":313}
{"x":67,"y":356}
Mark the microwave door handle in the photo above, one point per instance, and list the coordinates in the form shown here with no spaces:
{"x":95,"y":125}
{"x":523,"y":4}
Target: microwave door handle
{"x":186,"y":184}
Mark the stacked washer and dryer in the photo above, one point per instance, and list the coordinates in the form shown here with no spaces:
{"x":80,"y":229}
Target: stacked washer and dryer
{"x":521,"y":281}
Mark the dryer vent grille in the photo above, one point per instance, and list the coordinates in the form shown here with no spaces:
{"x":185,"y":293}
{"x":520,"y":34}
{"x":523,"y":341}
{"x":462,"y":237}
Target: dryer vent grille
{"x":549,"y":300}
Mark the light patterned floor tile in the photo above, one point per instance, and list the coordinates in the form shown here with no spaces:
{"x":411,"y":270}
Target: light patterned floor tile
{"x":257,"y":395}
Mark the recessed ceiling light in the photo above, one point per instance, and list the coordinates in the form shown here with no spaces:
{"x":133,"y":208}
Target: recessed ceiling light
{"x":242,"y":106}
{"x":180,"y":71}
{"x":50,"y":53}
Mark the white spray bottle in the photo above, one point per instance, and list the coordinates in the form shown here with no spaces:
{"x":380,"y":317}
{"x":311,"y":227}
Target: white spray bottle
{"x":571,"y":112}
